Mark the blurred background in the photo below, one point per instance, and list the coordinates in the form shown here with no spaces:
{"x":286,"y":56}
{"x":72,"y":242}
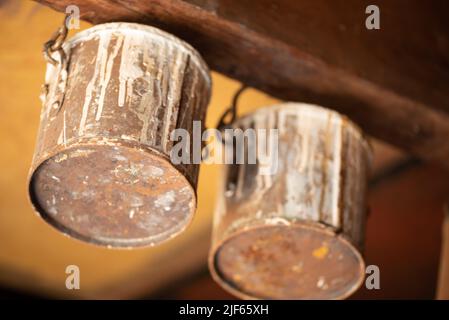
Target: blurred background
{"x":406,"y":200}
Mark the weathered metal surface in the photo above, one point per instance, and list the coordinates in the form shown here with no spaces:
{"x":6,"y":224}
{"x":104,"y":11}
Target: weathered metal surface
{"x":299,"y":232}
{"x":101,"y":170}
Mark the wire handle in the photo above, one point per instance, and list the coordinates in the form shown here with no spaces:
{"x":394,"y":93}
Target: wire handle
{"x":55,"y":44}
{"x":232,"y":110}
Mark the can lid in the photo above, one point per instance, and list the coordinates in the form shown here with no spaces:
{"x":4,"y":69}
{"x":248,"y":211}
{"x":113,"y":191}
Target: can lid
{"x":287,"y":262}
{"x":115,"y":196}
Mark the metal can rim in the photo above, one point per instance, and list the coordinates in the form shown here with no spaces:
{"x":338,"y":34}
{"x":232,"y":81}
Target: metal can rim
{"x":129,"y":27}
{"x":84,"y":142}
{"x":313,"y":108}
{"x":316,"y":226}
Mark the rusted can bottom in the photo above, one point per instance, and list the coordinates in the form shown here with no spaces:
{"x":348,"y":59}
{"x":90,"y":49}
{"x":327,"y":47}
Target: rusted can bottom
{"x":287,"y":262}
{"x":113,"y":195}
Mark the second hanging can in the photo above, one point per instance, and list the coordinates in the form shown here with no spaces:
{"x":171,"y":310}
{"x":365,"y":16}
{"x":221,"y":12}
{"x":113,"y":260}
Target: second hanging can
{"x":295,"y":231}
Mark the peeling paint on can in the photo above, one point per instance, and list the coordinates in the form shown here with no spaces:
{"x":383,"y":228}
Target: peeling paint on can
{"x":296,"y":234}
{"x":101,"y":171}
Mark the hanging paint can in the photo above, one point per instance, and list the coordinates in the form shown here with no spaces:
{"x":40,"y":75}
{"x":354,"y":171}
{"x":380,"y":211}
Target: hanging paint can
{"x":101,"y":171}
{"x":296,"y":230}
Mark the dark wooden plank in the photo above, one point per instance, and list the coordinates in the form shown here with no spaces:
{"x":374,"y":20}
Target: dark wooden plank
{"x":394,"y":81}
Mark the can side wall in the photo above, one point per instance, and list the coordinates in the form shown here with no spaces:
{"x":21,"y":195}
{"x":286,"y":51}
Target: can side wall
{"x":321,"y":178}
{"x":123,"y":86}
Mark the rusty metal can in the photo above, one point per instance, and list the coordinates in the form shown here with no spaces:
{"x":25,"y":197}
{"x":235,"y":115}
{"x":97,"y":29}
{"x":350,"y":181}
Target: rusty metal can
{"x":297,"y":232}
{"x":101,"y":171}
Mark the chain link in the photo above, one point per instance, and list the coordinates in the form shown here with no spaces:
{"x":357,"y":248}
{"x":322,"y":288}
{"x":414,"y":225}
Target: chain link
{"x":56,"y":41}
{"x":231,"y":111}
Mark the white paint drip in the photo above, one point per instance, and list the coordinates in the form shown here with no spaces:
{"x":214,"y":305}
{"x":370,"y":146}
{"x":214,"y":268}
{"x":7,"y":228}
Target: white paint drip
{"x":336,"y":179}
{"x":64,"y":136}
{"x":62,"y":139}
{"x":129,"y":68}
{"x":106,"y":76}
{"x":99,"y":63}
{"x":51,"y":79}
{"x":174,"y":93}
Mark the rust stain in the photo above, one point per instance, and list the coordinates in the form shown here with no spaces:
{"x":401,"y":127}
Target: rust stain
{"x":321,"y":252}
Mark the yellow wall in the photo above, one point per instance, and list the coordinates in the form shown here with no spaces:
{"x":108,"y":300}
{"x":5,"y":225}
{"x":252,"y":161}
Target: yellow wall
{"x":32,"y":254}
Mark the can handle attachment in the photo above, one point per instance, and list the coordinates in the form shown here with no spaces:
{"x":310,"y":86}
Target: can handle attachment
{"x":54,"y":44}
{"x":232,"y":110}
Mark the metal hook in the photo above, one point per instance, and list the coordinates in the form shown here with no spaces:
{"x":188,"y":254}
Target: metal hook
{"x":231,"y":110}
{"x":56,"y":41}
